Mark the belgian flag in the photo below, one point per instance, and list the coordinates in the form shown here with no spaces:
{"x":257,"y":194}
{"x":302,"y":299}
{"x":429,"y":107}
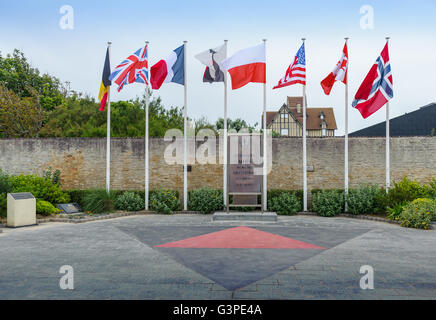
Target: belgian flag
{"x":105,"y":82}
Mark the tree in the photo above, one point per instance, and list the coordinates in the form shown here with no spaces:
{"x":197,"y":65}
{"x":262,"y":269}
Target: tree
{"x":17,"y":75}
{"x":19,"y":117}
{"x":236,"y":124}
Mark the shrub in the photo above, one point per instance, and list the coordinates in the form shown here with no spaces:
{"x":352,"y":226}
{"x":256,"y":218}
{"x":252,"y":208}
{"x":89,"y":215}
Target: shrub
{"x":273,"y":193}
{"x":5,"y":187}
{"x":53,"y":176}
{"x":206,"y":200}
{"x":99,"y":201}
{"x":362,"y":200}
{"x":45,"y":208}
{"x":3,"y":205}
{"x":432,"y":189}
{"x":328,"y":203}
{"x":40,"y":188}
{"x":164,"y":201}
{"x":5,"y":183}
{"x":395,"y":212}
{"x":418,"y":214}
{"x":381,"y":202}
{"x":285,"y":204}
{"x":405,"y":191}
{"x":77,"y":196}
{"x":129,"y":201}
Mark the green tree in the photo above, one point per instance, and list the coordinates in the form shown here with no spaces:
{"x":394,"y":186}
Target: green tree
{"x":19,"y":117}
{"x":17,"y":75}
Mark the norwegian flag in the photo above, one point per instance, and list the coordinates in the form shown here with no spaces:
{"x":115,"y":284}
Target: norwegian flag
{"x":133,"y":69}
{"x":339,"y":73}
{"x":377,"y":88}
{"x":296,"y":72}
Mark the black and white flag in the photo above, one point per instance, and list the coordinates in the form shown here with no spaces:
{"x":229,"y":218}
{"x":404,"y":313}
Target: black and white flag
{"x":212,"y":59}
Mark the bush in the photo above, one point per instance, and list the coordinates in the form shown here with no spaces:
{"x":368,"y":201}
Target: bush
{"x":206,"y":200}
{"x":406,"y":191}
{"x":328,"y":203}
{"x":129,"y":201}
{"x":54,"y":177}
{"x":45,"y":208}
{"x":77,"y":196}
{"x":273,"y":193}
{"x":164,"y":201}
{"x":5,"y":183}
{"x":99,"y":201}
{"x":41,"y":188}
{"x":381,"y":202}
{"x":5,"y":188}
{"x":395,"y":212}
{"x":285,"y":204}
{"x":432,"y":189}
{"x":418,"y":214}
{"x":3,"y":205}
{"x":362,"y":200}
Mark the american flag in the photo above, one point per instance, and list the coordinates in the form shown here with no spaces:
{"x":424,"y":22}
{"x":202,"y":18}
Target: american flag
{"x":133,"y":69}
{"x":296,"y":72}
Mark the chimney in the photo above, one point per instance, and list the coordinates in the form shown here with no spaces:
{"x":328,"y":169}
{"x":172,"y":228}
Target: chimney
{"x":299,"y":108}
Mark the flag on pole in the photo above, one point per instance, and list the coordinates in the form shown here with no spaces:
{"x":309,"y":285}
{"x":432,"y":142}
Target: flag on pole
{"x":377,"y":88}
{"x":247,"y":65}
{"x":170,"y":69}
{"x":132,"y":69}
{"x":105,"y":82}
{"x":296,"y":72}
{"x":339,"y":73}
{"x":212,"y":59}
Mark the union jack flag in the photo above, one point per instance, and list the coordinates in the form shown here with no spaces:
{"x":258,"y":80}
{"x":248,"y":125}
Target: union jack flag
{"x":133,"y":69}
{"x":296,"y":72}
{"x":377,"y":88}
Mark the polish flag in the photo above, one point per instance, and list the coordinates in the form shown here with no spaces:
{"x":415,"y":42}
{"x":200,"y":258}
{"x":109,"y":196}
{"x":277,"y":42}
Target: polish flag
{"x":247,"y":65}
{"x":338,"y":74}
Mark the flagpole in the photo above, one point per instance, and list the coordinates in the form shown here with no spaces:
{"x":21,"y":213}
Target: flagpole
{"x":265,"y":160}
{"x":225,"y":134}
{"x":108,"y":134}
{"x":185,"y":141}
{"x":387,"y":142}
{"x":304,"y":147}
{"x":346,"y":128}
{"x":147,"y":151}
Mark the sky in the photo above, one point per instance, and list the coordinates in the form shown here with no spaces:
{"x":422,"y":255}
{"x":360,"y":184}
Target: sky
{"x":77,"y":55}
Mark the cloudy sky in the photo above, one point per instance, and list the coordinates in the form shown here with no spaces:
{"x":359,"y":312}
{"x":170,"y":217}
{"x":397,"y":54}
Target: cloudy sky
{"x":77,"y":55}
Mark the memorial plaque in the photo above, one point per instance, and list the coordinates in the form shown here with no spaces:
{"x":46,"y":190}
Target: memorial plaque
{"x":242,"y":178}
{"x":22,"y":196}
{"x":69,"y":208}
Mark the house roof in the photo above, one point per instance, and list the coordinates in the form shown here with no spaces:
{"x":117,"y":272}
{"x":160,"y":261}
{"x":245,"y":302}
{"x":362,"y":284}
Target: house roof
{"x":420,"y":122}
{"x":313,"y":120}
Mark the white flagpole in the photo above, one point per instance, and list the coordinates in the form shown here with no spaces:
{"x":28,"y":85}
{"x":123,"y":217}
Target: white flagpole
{"x":225,"y":134}
{"x":265,"y":161}
{"x":147,"y":151}
{"x":346,"y":128}
{"x":304,"y":146}
{"x":108,"y":134}
{"x":185,"y":141}
{"x":387,"y":143}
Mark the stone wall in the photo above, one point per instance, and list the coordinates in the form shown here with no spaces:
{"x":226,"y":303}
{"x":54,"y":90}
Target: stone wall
{"x":83,"y":162}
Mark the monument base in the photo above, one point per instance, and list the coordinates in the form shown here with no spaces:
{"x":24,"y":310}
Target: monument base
{"x":245,"y":216}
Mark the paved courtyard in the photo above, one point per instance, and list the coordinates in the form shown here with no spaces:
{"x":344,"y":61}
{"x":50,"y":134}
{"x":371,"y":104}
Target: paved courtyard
{"x":191,"y":257}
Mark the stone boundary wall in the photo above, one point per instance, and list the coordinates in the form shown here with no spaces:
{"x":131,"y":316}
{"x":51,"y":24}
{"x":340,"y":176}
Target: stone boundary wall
{"x":82,"y":162}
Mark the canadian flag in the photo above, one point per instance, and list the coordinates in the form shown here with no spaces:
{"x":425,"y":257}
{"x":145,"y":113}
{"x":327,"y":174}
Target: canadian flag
{"x":338,"y":74}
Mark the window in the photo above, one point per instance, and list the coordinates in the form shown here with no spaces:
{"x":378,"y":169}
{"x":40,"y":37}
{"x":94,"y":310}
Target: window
{"x":284,"y":132}
{"x":284,"y":115}
{"x":324,"y":132}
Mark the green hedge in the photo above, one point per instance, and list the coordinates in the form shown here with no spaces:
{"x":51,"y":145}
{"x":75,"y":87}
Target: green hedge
{"x":328,"y":203}
{"x":206,"y":200}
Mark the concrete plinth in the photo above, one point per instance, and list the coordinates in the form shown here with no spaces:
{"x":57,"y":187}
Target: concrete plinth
{"x":245,"y":216}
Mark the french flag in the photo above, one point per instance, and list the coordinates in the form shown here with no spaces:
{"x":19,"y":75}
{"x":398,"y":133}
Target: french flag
{"x":169,"y":70}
